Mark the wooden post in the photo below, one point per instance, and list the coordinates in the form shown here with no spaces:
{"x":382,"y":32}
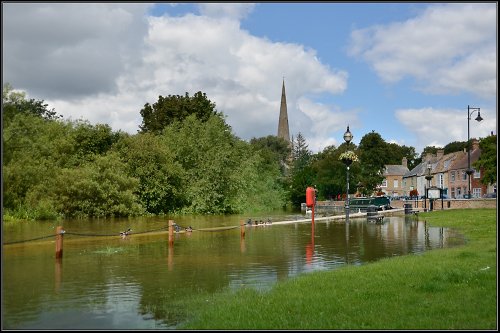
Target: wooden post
{"x":242,"y":229}
{"x":170,"y":232}
{"x":58,"y":274}
{"x":59,"y":242}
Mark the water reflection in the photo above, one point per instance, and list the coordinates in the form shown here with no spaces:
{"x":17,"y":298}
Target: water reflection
{"x":134,"y":283}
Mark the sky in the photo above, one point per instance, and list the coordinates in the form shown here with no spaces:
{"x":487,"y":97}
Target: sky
{"x":407,"y":71}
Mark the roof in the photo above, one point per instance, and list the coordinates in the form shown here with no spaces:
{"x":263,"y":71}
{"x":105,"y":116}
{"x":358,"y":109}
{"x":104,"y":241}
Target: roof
{"x":395,"y":170}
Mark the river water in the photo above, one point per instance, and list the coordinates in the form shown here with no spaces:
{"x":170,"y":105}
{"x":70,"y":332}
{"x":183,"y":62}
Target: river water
{"x":104,"y":281}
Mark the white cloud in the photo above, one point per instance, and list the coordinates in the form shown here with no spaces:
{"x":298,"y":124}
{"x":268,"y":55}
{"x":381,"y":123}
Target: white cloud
{"x":103,"y":62}
{"x":448,"y":48}
{"x":236,"y":11}
{"x":70,"y":50}
{"x":452,"y":125}
{"x":322,"y":122}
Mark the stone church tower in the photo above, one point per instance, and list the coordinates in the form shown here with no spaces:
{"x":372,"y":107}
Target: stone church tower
{"x":283,"y":131}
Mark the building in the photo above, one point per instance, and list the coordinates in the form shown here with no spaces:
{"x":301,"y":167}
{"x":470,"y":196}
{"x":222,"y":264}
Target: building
{"x":392,"y":185}
{"x":447,"y":172}
{"x":459,"y":180}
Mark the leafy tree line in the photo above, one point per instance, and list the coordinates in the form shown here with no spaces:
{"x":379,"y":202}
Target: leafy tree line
{"x":194,"y":164}
{"x":185,"y":159}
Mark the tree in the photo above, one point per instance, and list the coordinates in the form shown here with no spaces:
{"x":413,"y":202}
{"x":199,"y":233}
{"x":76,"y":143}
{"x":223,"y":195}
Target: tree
{"x":330,"y":173}
{"x":273,"y":149}
{"x":150,"y":160}
{"x":14,"y":103}
{"x":301,"y":174}
{"x":488,"y":159}
{"x":373,"y":157}
{"x":175,"y":107}
{"x":455,"y":146}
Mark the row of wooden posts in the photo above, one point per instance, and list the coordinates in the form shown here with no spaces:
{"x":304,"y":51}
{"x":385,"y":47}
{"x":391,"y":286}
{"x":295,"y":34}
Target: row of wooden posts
{"x":60,"y":232}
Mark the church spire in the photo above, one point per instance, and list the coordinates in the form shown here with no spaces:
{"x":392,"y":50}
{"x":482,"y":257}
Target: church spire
{"x":283,"y":121}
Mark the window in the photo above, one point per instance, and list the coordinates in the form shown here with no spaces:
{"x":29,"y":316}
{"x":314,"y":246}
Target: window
{"x":453,"y":176}
{"x":453,"y":193}
{"x":476,"y":192}
{"x":477,"y":174}
{"x":440,"y":180}
{"x":459,"y":192}
{"x":464,"y":175}
{"x":384,"y":183}
{"x":395,"y":183}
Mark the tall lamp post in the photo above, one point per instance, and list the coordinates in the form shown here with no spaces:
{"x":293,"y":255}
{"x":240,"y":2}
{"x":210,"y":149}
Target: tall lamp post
{"x":347,"y":139}
{"x":470,"y":111}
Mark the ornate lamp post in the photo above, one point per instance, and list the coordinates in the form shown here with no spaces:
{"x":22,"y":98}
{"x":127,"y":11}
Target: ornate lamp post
{"x":347,"y":139}
{"x":470,"y":111}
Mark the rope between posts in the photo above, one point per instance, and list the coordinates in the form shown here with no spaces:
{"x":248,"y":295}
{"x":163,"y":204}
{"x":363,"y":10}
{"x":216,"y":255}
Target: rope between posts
{"x":118,"y":234}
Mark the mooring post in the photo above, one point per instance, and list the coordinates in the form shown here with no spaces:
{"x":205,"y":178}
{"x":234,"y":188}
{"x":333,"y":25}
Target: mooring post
{"x":242,"y":229}
{"x":59,"y":242}
{"x":170,"y":232}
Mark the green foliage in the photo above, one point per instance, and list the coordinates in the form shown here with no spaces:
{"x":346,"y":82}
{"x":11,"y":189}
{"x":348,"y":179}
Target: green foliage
{"x":100,"y":188}
{"x":153,"y":163}
{"x":14,"y":103}
{"x":301,"y":173}
{"x":373,"y":152}
{"x":488,"y":159}
{"x":173,"y":108}
{"x":222,"y":174}
{"x":455,"y":146}
{"x":273,"y":149}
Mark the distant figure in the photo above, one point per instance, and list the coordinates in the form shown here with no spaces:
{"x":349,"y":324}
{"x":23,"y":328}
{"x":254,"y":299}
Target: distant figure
{"x":125,"y":233}
{"x":269,"y":221}
{"x":177,"y":228}
{"x":189,"y":229}
{"x":249,"y":221}
{"x":256,"y":222}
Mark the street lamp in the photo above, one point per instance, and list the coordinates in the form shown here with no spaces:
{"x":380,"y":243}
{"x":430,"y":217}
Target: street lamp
{"x":347,"y":139}
{"x":470,"y":111}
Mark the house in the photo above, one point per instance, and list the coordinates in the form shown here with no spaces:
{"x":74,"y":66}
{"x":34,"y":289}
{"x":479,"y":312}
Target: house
{"x":415,"y":178}
{"x":392,"y":185}
{"x":459,"y":180}
{"x":448,"y":172}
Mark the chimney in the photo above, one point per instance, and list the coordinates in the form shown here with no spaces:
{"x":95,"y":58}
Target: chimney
{"x":439,"y":153}
{"x":475,"y":144}
{"x":404,"y":162}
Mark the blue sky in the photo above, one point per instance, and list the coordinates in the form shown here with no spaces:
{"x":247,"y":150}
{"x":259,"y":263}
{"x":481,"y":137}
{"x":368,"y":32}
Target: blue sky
{"x":407,"y":71}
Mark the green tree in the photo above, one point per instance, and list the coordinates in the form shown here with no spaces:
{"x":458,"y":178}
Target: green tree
{"x":373,"y":152}
{"x":175,"y":107}
{"x":455,"y":146}
{"x":15,"y":103}
{"x":488,"y":159}
{"x":150,"y":160}
{"x":301,"y":174}
{"x":273,"y":149}
{"x":330,"y":173}
{"x":101,"y":188}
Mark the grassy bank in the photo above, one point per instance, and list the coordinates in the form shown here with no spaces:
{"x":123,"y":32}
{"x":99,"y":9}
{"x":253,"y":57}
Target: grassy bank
{"x":445,"y":289}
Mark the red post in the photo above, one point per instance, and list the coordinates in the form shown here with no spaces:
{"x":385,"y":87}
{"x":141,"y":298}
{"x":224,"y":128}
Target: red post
{"x":313,"y":215}
{"x":59,"y":242}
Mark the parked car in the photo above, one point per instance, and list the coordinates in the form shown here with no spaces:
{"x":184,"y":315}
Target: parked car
{"x":490,"y":195}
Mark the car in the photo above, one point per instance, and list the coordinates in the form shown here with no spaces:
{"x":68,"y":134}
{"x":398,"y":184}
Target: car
{"x":490,"y":195}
